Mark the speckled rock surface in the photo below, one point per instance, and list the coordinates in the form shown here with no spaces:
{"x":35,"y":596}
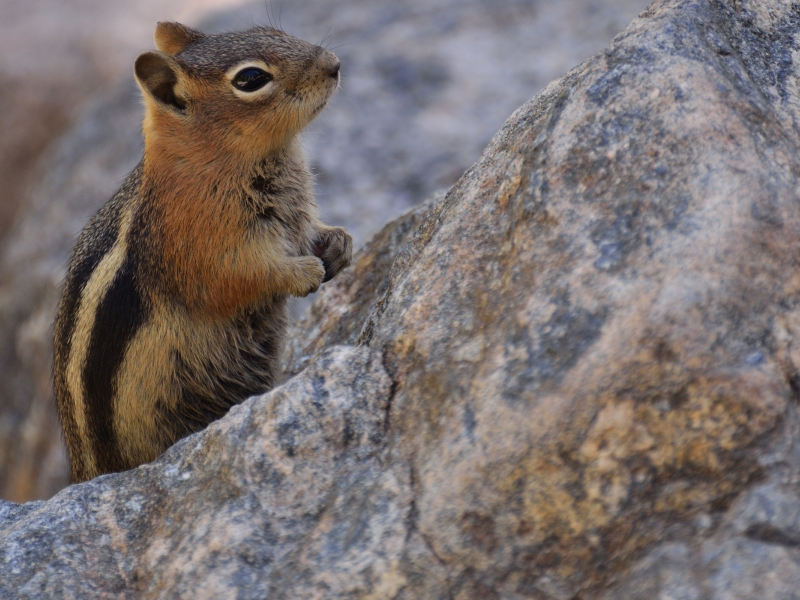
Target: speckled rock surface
{"x":579,"y":380}
{"x":246,"y":507}
{"x":338,"y":316}
{"x":425,"y":86}
{"x":594,"y":336}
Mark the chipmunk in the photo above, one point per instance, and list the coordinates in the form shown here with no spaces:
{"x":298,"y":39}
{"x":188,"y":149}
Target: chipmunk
{"x":174,"y":304}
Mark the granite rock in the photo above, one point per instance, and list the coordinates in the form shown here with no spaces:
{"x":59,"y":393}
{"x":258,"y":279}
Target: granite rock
{"x":578,"y":379}
{"x":425,"y":85}
{"x":238,"y":507}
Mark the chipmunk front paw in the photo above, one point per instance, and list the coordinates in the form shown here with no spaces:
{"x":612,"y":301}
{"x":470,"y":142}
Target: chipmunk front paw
{"x":334,"y":246}
{"x":310,"y":274}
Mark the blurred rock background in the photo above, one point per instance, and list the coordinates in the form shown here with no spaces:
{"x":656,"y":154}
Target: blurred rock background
{"x":54,"y":55}
{"x":425,"y":85}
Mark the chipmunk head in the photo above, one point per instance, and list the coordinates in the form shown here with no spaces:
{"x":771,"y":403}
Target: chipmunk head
{"x":243,"y":94}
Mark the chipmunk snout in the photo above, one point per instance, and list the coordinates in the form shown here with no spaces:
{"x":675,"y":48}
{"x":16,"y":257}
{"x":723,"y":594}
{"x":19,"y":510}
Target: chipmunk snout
{"x":330,"y":63}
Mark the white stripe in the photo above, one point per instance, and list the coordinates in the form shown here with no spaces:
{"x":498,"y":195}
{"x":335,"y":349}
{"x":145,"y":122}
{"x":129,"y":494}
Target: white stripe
{"x":91,"y":297}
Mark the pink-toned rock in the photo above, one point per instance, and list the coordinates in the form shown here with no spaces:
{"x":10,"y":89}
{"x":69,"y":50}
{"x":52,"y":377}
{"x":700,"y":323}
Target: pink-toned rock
{"x":579,"y":378}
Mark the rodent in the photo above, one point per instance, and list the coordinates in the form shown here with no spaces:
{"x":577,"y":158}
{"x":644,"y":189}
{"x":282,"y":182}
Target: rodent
{"x":174,"y":304}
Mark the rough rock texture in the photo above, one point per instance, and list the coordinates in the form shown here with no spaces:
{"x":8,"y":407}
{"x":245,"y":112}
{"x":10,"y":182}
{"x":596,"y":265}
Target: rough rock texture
{"x":354,"y":292}
{"x":241,"y":506}
{"x":425,"y":86}
{"x":580,"y":378}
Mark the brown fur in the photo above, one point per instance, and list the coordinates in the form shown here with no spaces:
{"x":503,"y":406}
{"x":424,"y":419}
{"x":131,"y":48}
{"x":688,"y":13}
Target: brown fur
{"x":174,"y":303}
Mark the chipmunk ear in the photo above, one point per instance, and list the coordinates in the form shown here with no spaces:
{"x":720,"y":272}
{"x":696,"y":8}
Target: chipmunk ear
{"x":158,"y":76}
{"x":171,"y":38}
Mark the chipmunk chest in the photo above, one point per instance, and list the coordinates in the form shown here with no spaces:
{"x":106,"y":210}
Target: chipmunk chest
{"x":282,"y":204}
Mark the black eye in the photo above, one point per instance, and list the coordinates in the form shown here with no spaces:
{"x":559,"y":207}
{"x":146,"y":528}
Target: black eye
{"x":251,"y":79}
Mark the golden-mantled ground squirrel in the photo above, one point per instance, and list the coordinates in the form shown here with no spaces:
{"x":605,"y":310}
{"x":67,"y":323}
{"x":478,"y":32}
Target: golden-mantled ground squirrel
{"x":174,"y":306}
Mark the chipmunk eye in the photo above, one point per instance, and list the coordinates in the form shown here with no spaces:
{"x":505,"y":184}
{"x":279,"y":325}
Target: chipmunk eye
{"x":251,"y":79}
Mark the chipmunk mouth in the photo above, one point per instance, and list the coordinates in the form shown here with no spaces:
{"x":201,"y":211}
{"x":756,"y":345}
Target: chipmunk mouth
{"x":318,"y":109}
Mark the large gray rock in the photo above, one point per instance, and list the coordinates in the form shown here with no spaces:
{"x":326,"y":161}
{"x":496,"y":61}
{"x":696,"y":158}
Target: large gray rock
{"x":425,"y":85}
{"x":579,"y":378}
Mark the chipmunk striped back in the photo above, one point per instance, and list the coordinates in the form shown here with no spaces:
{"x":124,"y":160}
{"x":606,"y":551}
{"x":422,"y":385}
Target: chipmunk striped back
{"x":174,"y":305}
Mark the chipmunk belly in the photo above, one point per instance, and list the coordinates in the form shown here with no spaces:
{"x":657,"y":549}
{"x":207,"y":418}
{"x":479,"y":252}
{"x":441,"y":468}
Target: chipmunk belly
{"x":145,"y":380}
{"x":181,"y":372}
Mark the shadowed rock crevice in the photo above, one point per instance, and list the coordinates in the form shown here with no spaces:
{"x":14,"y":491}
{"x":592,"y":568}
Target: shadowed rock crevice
{"x":771,"y":535}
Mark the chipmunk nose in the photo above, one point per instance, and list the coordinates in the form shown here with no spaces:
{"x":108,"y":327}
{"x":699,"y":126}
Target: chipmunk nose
{"x":329,"y":62}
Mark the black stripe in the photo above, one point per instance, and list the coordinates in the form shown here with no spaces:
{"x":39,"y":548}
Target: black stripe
{"x":88,"y":254}
{"x":119,"y":316}
{"x":96,"y":241}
